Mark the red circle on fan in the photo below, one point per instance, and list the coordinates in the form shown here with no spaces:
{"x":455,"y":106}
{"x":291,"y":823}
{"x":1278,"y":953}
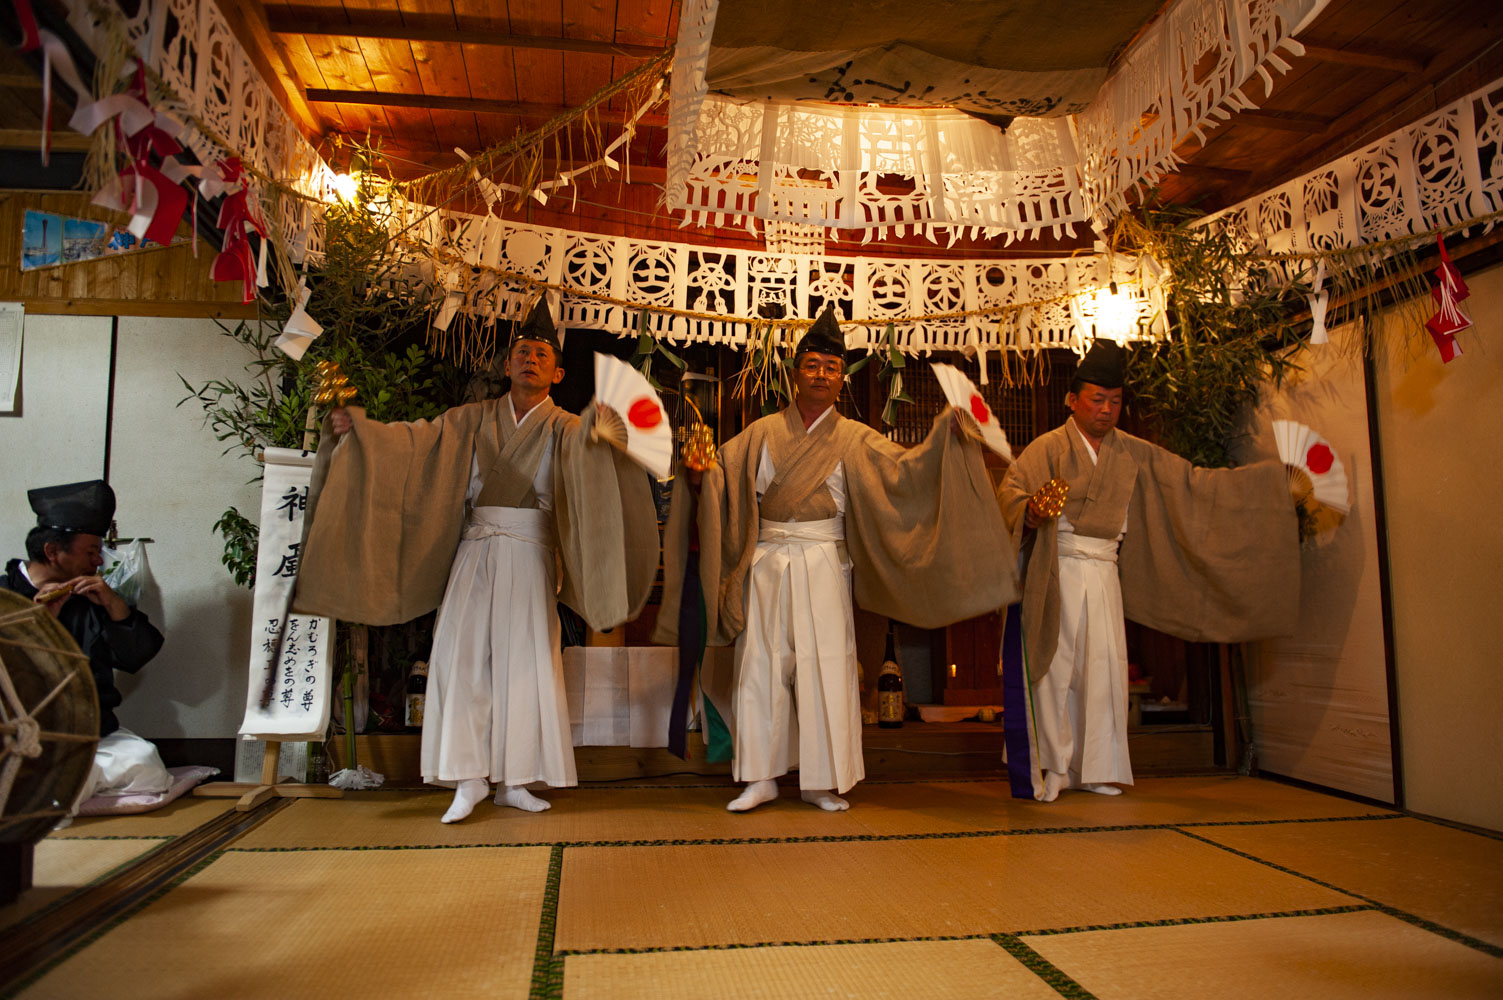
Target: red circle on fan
{"x":1319,"y":459}
{"x":645,"y":413}
{"x":979,"y":409}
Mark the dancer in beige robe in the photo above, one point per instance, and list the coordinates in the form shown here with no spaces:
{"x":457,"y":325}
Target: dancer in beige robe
{"x":803,"y":507}
{"x":1204,"y":554}
{"x":471,"y":508}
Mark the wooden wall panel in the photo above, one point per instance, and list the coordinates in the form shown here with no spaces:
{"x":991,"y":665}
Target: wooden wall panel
{"x":165,"y":282}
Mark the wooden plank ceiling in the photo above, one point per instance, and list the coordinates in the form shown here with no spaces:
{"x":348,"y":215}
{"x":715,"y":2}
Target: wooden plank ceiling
{"x":423,"y":77}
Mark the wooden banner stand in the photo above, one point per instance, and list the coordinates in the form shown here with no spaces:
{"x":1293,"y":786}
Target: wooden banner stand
{"x":252,"y":794}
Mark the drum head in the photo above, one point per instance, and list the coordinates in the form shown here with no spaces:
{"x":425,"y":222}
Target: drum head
{"x":49,"y":720}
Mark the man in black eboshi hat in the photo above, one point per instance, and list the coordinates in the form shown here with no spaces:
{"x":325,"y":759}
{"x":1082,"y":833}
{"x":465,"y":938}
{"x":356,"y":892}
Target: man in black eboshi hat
{"x":802,"y":502}
{"x":63,"y":556}
{"x":466,"y":513}
{"x":1205,"y":554}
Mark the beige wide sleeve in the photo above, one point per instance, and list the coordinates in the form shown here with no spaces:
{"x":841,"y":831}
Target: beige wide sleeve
{"x":385,"y":510}
{"x":607,"y":531}
{"x":923,"y":528}
{"x":1210,"y":555}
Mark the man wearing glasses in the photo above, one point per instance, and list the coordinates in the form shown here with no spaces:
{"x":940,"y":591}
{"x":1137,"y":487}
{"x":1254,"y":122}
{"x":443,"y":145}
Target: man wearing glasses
{"x":802,"y":505}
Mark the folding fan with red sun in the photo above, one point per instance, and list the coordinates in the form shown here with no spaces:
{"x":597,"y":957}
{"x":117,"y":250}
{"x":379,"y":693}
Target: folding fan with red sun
{"x":649,"y":438}
{"x":1315,"y":473}
{"x":962,"y":393}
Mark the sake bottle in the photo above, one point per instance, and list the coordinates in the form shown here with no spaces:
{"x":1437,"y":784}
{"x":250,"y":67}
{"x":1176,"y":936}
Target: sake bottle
{"x":417,"y":692}
{"x":890,"y":686}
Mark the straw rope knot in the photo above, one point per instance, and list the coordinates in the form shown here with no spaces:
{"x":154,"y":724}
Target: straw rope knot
{"x":24,"y":737}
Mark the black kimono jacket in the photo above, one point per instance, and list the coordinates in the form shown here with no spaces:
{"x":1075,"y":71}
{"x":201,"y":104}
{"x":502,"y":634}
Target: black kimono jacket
{"x":110,"y":645}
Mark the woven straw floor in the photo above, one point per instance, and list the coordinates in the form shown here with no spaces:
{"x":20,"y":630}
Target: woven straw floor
{"x":1183,"y":887}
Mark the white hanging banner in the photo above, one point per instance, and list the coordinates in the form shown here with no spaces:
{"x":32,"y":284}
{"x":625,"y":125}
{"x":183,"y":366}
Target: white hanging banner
{"x":289,"y":699}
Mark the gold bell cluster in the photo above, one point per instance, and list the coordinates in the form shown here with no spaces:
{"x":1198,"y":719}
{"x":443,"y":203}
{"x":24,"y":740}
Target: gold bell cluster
{"x":1050,"y":499}
{"x":698,"y":450}
{"x":334,"y":387}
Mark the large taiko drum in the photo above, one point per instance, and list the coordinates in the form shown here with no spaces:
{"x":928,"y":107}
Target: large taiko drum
{"x":49,"y":720}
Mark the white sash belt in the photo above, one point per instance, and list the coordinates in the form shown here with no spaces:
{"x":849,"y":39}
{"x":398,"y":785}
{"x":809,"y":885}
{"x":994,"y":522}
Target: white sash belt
{"x":525,"y":524}
{"x":1073,"y":546}
{"x":807,"y":532}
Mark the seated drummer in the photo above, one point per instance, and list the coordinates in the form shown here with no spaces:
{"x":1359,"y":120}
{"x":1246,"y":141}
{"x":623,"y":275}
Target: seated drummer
{"x":64,"y":555}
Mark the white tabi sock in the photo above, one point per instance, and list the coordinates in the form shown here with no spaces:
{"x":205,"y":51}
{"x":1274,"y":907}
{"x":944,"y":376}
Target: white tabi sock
{"x":825,"y":799}
{"x":1053,"y":782}
{"x":467,"y":794}
{"x":756,"y":793}
{"x":520,"y":798}
{"x":1101,"y":788}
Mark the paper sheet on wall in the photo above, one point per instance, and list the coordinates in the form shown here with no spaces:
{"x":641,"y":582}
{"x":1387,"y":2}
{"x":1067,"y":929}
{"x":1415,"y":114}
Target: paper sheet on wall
{"x":620,"y":695}
{"x":12,"y":318}
{"x":300,"y":681}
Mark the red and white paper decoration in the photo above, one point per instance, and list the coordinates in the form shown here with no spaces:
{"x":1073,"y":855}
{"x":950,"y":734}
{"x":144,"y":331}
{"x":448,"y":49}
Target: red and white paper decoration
{"x":962,"y":394}
{"x":649,"y":438}
{"x":1448,"y":320}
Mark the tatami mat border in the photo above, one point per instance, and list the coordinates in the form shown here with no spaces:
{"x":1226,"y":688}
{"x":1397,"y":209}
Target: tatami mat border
{"x":1446,"y":932}
{"x":548,"y":966}
{"x":1324,"y":911}
{"x":841,"y":839}
{"x":1043,"y":968}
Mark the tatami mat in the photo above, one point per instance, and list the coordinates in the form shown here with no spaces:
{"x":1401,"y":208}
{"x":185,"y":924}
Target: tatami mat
{"x":611,"y":814}
{"x":61,"y":866}
{"x":639,"y":897}
{"x":904,"y":970}
{"x":903,"y":808}
{"x":1346,"y":956}
{"x":326,"y":924}
{"x":172,"y":820}
{"x":1449,"y":876}
{"x":666,"y":813}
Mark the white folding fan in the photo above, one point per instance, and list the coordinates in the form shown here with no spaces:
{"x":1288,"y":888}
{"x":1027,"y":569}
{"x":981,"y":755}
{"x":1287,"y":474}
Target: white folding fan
{"x":649,"y":438}
{"x":962,"y":393}
{"x":1314,"y":469}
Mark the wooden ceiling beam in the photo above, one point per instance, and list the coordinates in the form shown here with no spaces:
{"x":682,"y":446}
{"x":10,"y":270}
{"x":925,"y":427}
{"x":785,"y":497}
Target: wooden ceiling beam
{"x":1366,"y":58}
{"x":1282,"y":121}
{"x":1212,"y":172}
{"x":436,"y":102}
{"x":63,"y":140}
{"x":318,"y":21}
{"x":247,"y":20}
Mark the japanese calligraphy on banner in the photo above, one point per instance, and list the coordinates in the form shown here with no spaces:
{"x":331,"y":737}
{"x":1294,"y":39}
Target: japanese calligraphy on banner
{"x":300,"y":679}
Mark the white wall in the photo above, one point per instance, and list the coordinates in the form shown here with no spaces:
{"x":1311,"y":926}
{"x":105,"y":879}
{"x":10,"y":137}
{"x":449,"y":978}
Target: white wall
{"x":1442,"y":480}
{"x":56,"y":434}
{"x":171,"y":482}
{"x":1319,"y":698}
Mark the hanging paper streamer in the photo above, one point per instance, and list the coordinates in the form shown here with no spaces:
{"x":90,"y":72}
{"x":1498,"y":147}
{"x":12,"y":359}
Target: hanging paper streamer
{"x":1320,"y":297}
{"x":299,"y":680}
{"x":1448,"y":320}
{"x":301,"y":329}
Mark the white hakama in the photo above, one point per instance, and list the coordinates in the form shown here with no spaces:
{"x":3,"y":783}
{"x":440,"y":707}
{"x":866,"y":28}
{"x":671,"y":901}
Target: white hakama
{"x":797,"y":698}
{"x":495,"y":704}
{"x":1080,"y":705}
